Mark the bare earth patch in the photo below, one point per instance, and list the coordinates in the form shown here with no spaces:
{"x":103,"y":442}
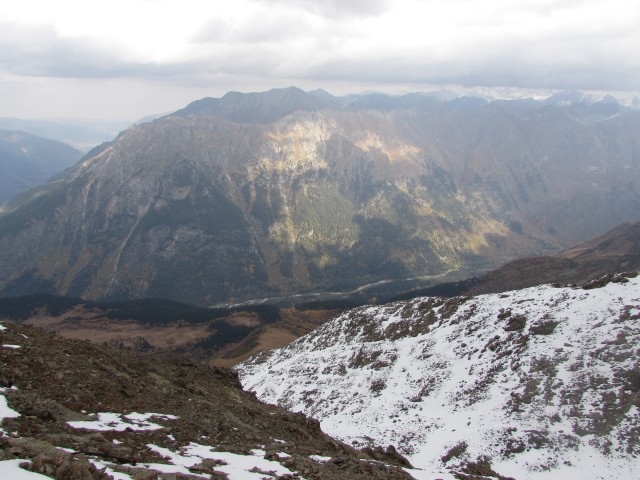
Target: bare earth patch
{"x":270,"y":338}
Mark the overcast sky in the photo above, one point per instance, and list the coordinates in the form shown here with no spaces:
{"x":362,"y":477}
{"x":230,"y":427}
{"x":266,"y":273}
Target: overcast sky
{"x":123,"y":59}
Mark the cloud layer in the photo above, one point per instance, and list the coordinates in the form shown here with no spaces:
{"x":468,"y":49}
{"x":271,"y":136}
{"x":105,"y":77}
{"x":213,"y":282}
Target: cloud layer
{"x":551,"y":44}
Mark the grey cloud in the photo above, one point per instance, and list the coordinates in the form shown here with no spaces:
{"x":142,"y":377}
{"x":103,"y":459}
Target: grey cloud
{"x":215,"y":30}
{"x":337,"y":8}
{"x":590,"y":61}
{"x":283,"y":46}
{"x":506,"y":69}
{"x":41,"y":52}
{"x":291,"y":24}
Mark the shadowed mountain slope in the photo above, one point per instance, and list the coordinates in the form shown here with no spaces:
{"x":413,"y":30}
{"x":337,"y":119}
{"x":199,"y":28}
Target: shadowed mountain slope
{"x":615,"y":251}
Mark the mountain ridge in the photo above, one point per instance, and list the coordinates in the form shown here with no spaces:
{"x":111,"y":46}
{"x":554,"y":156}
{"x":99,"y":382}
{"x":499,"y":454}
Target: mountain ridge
{"x":316,"y":199}
{"x":261,"y":107}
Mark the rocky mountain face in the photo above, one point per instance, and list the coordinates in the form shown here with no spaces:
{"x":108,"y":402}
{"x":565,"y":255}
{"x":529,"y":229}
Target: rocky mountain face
{"x":537,"y":383}
{"x":72,"y":410}
{"x":251,"y":196}
{"x":27,"y":161}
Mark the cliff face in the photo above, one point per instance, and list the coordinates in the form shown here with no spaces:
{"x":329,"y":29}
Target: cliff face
{"x":200,"y":208}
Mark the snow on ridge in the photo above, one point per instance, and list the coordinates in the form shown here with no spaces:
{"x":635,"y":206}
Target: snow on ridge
{"x":543,"y":381}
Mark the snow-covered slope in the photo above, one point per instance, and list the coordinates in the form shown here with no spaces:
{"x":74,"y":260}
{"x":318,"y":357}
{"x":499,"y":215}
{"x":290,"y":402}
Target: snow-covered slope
{"x":538,"y":383}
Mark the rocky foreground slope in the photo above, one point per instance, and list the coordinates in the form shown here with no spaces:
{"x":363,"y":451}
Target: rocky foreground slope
{"x":73,"y":410}
{"x":537,"y":383}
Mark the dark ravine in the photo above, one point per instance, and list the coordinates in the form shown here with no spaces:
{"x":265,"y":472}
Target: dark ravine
{"x":50,"y":381}
{"x":286,"y":192}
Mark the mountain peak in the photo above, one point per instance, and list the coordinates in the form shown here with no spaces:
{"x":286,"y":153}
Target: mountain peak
{"x":258,"y":107}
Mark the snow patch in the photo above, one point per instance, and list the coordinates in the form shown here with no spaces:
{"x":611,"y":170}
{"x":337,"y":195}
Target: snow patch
{"x":319,"y":458}
{"x":5,"y":410}
{"x":235,"y":466}
{"x":119,"y":422}
{"x":10,"y":470}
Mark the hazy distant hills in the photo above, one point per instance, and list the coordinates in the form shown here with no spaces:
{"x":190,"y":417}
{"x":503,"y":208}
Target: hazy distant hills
{"x":254,"y":195}
{"x":80,"y":134}
{"x":27,"y":160}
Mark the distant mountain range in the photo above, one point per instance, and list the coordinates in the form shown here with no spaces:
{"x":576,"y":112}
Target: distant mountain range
{"x":284,"y":192}
{"x":80,"y":134}
{"x":27,"y":161}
